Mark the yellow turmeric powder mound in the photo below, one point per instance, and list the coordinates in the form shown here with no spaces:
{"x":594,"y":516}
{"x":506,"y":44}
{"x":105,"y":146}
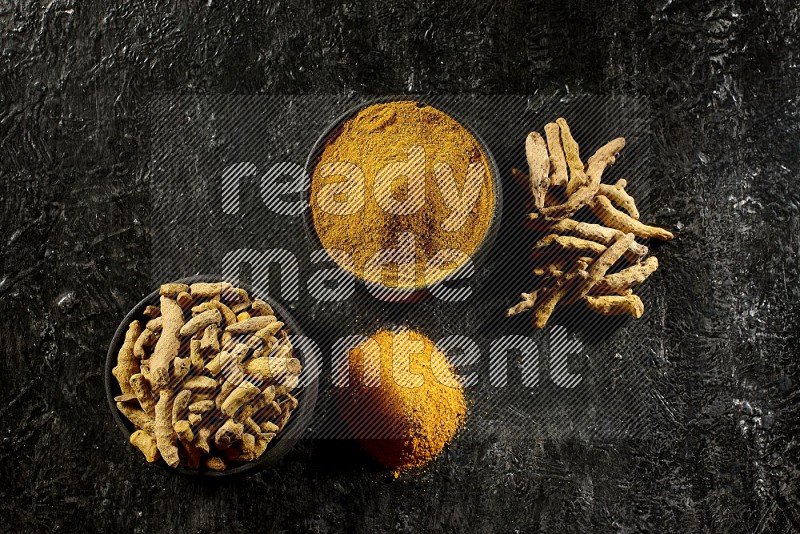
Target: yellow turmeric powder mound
{"x":405,"y":192}
{"x":402,"y":401}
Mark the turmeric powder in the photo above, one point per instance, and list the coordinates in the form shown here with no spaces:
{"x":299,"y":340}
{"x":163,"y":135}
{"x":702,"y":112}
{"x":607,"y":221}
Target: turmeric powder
{"x":417,"y":408}
{"x":401,"y":179}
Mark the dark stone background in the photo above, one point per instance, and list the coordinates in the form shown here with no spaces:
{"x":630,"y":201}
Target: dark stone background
{"x":722,"y":81}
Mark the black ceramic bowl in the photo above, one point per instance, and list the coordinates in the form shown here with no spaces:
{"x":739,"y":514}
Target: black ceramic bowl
{"x":283,"y":442}
{"x":481,"y":252}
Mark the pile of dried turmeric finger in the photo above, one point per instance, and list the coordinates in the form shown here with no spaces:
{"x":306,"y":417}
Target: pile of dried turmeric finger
{"x":207,"y":381}
{"x":597,"y":263}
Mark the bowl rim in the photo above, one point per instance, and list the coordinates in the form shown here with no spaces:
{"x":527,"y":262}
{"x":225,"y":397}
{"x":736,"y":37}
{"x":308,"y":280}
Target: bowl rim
{"x":481,"y":252}
{"x":284,"y":441}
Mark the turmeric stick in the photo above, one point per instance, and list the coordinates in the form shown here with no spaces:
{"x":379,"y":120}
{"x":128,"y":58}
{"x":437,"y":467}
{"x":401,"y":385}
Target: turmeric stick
{"x":269,"y":367}
{"x":259,"y":307}
{"x":252,"y":325}
{"x":228,"y":433}
{"x":616,"y":305}
{"x":125,"y":397}
{"x":538,"y":167}
{"x":209,"y":341}
{"x":201,"y":406}
{"x":166,"y":440}
{"x":590,"y":181}
{"x":558,"y":163}
{"x":577,"y":177}
{"x":200,"y":322}
{"x":265,"y":398}
{"x":184,"y":300}
{"x":185,"y":435}
{"x":627,"y":278}
{"x":180,"y":368}
{"x":146,"y":339}
{"x":201,"y":441}
{"x":620,"y":196}
{"x":528,"y":302}
{"x":554,"y":294}
{"x":614,"y":218}
{"x":241,"y":395}
{"x":168,"y":344}
{"x":155,"y":324}
{"x":137,"y":416}
{"x":215,"y":463}
{"x":600,"y":266}
{"x":180,"y":404}
{"x":146,"y":444}
{"x":172,"y":290}
{"x":208,"y":289}
{"x":248,"y":447}
{"x":195,"y":356}
{"x":141,"y":388}
{"x":219,"y":362}
{"x":241,"y":300}
{"x":584,"y":230}
{"x":226,"y":312}
{"x":127,"y":365}
{"x":575,"y":244}
{"x":200,"y":383}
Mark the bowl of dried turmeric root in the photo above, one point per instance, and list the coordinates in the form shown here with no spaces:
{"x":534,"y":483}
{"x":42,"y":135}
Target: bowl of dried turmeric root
{"x":202,"y":377}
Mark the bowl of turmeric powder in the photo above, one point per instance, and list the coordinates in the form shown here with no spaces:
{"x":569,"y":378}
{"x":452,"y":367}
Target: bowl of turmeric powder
{"x":403,"y":196}
{"x":201,"y":377}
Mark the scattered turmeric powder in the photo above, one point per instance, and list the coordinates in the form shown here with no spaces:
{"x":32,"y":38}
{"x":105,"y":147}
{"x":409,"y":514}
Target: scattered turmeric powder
{"x":417,"y":408}
{"x":395,"y":170}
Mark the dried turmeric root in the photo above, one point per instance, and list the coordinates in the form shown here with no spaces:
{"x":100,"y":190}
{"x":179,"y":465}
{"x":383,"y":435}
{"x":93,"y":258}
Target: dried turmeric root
{"x":620,"y":197}
{"x":539,"y":167}
{"x":627,"y":278}
{"x":616,"y":305}
{"x":554,"y":294}
{"x":527,"y":303}
{"x":556,"y":266}
{"x":584,"y":230}
{"x":599,"y":247}
{"x":127,"y":363}
{"x":590,"y":181}
{"x":599,"y":268}
{"x":572,"y":156}
{"x":558,"y":162}
{"x":572,"y":244}
{"x":146,"y":443}
{"x":614,"y":218}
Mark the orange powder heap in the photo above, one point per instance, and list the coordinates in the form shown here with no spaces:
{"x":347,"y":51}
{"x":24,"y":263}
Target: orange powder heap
{"x":403,"y":400}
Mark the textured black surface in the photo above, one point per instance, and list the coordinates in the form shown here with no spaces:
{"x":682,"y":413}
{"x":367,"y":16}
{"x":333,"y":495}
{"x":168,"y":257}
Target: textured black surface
{"x":722,"y":82}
